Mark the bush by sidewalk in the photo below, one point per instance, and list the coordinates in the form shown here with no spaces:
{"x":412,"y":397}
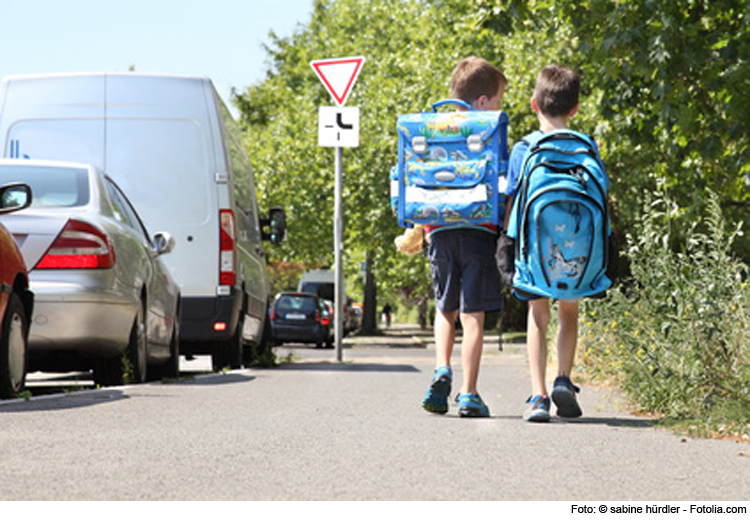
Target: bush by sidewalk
{"x":675,"y":335}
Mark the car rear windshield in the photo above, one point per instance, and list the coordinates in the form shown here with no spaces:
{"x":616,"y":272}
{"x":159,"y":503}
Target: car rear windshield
{"x":297,"y":303}
{"x":50,"y":186}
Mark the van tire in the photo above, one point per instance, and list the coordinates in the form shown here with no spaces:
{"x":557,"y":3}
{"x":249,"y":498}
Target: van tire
{"x":228,"y":353}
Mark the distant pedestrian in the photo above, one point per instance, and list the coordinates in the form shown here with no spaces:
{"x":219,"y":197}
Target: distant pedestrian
{"x":387,"y":314}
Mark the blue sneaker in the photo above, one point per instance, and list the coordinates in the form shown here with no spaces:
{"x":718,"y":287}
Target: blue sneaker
{"x":538,"y":410}
{"x":564,"y":397}
{"x":471,"y":405}
{"x":436,"y":400}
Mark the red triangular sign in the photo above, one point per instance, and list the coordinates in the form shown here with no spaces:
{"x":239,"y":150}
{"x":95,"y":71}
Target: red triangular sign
{"x":338,"y":75}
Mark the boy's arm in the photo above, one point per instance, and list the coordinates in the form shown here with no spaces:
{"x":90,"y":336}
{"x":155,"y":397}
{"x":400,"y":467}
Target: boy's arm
{"x":514,"y":170}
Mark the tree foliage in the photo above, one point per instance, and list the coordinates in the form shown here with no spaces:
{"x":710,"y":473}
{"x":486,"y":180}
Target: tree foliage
{"x":672,"y":85}
{"x":665,"y":92}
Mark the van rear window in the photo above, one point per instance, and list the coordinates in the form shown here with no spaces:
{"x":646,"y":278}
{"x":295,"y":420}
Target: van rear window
{"x":162,"y":165}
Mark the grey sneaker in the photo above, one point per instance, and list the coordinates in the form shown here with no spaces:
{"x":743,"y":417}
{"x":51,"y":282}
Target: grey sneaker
{"x":564,"y":397}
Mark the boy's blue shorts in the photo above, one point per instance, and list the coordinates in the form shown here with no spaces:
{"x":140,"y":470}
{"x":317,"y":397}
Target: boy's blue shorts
{"x":464,"y":270}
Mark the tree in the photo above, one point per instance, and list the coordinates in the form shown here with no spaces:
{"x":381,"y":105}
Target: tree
{"x":410,"y":50}
{"x":672,"y":85}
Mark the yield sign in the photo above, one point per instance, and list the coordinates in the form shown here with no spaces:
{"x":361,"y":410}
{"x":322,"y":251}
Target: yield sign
{"x":338,"y":75}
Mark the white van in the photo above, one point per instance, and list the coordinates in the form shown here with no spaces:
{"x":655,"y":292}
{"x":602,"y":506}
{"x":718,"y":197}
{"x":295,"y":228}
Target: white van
{"x":172,"y":146}
{"x":323,"y":283}
{"x":320,"y":282}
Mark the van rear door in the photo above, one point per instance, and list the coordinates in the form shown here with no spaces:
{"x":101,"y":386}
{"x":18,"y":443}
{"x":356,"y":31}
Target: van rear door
{"x":68,"y":126}
{"x":161,"y":152}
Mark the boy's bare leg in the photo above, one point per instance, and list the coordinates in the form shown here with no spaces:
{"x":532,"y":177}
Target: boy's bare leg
{"x":471,"y":349}
{"x":567,"y":339}
{"x":564,"y":392}
{"x":445,"y":337}
{"x":538,"y":322}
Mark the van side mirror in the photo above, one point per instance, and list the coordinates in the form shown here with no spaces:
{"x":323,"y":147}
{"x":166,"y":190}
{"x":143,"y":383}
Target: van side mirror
{"x":276,"y":224}
{"x":14,"y":197}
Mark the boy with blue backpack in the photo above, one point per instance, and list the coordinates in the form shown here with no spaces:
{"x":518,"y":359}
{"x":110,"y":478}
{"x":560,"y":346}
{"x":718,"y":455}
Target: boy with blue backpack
{"x":462,"y":255}
{"x":557,"y":216}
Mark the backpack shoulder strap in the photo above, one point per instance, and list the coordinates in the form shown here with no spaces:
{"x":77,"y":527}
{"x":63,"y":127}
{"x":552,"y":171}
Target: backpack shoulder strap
{"x":533,"y":137}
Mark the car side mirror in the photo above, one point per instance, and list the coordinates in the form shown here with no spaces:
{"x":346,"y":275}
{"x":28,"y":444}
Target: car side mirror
{"x":14,"y":197}
{"x":163,"y":242}
{"x":276,"y":224}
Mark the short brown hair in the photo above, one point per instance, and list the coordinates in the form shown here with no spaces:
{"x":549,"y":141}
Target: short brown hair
{"x":557,"y":89}
{"x":474,"y":77}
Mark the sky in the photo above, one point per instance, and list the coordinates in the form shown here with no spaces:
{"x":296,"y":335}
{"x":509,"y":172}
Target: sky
{"x":221,"y":39}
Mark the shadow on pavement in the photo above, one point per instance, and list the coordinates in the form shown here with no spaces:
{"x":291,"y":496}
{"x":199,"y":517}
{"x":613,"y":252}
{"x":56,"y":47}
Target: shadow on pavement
{"x":344,"y":366}
{"x":77,"y":399}
{"x":215,"y":379}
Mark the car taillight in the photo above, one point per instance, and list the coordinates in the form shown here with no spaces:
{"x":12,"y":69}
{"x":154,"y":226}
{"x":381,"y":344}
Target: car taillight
{"x":273,"y":313}
{"x":227,"y":270}
{"x":79,"y":245}
{"x":317,"y":316}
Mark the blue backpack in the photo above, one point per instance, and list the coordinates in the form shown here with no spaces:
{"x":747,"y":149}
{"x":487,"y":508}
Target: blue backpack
{"x":451,"y":168}
{"x":559,"y":218}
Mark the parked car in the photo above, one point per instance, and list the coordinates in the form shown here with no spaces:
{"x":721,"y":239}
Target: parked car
{"x":102,"y":294}
{"x":174,"y":149}
{"x":301,"y":317}
{"x":16,"y":300}
{"x":355,"y":316}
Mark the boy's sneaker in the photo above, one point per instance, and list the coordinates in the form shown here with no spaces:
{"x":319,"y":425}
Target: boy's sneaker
{"x":471,"y":405}
{"x":538,"y":410}
{"x":564,"y":397}
{"x":436,"y":400}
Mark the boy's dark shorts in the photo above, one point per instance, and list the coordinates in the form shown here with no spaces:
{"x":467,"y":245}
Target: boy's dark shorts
{"x":464,"y":270}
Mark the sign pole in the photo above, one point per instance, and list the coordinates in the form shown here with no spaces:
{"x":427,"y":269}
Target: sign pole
{"x":338,"y":243}
{"x":338,"y":127}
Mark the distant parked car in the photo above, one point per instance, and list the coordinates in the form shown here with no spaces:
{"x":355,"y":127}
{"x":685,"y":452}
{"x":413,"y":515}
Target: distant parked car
{"x":16,"y":301}
{"x":103,"y":299}
{"x":301,"y":317}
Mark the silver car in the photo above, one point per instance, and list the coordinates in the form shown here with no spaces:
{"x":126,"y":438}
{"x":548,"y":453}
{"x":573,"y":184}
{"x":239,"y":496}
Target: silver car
{"x":103,"y":298}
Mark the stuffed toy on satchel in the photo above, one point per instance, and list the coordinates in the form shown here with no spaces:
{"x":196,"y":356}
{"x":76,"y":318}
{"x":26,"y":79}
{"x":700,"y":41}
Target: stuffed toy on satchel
{"x":411,"y":241}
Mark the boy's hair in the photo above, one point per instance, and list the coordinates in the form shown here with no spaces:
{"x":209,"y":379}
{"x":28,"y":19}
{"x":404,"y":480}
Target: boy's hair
{"x":556,"y":91}
{"x":474,"y":77}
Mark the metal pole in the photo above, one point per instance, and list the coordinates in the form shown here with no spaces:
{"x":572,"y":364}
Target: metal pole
{"x":338,"y":243}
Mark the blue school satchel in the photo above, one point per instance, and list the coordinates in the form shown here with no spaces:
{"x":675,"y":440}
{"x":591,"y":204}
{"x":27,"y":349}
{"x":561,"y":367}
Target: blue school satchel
{"x":559,"y":219}
{"x":451,"y":167}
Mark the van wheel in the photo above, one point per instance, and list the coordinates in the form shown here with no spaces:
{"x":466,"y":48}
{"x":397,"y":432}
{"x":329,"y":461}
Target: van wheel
{"x":13,"y":348}
{"x":257,"y":353}
{"x":229,"y":352}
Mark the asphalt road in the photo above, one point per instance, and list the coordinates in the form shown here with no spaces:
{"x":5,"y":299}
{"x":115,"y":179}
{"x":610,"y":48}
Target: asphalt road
{"x":317,"y":429}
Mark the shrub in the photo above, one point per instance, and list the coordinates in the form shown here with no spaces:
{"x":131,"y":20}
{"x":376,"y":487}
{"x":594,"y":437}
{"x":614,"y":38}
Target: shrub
{"x":675,"y":335}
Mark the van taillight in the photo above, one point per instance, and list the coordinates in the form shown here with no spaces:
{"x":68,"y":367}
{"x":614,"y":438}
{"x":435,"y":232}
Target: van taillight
{"x":227,"y":269}
{"x":79,"y":245}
